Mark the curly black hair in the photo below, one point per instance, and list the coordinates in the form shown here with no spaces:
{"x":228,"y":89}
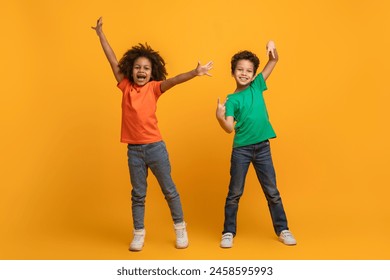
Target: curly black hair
{"x":245,"y":55}
{"x":126,"y":63}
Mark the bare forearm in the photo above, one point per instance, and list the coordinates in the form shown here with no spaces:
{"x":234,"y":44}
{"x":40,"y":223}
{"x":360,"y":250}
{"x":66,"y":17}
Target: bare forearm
{"x":269,"y":67}
{"x":225,"y":124}
{"x":108,"y":51}
{"x":181,"y":78}
{"x":110,"y":55}
{"x":200,"y":70}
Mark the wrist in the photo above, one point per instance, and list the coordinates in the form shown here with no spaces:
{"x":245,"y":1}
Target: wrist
{"x":221,"y":117}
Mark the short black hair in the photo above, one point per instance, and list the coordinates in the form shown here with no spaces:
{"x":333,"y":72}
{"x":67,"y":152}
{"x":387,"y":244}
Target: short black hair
{"x":126,"y":63}
{"x":247,"y":55}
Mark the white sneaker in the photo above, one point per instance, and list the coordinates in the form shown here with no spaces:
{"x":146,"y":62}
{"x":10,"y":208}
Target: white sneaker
{"x":138,"y":240}
{"x":227,"y":240}
{"x":181,"y":235}
{"x":287,"y":238}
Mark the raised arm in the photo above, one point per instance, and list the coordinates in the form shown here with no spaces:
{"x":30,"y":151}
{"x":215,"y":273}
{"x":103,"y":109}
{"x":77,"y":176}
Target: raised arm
{"x":273,"y":59}
{"x":227,"y":123}
{"x":108,"y":50}
{"x":200,"y":70}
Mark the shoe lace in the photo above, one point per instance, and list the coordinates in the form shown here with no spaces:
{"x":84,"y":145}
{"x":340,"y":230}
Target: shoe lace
{"x":180,"y":233}
{"x":137,"y":237}
{"x":286,"y":233}
{"x":227,"y":236}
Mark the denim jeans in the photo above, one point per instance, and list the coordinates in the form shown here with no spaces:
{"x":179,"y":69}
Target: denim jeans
{"x":140,"y":159}
{"x":260,"y":156}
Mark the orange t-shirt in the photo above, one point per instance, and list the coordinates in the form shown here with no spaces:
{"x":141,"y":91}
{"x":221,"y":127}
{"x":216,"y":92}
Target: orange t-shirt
{"x":139,"y":104}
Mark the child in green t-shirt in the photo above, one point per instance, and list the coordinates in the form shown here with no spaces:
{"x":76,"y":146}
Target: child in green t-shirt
{"x":245,"y":112}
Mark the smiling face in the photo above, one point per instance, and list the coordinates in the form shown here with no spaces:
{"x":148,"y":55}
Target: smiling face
{"x":244,"y":73}
{"x":142,"y":71}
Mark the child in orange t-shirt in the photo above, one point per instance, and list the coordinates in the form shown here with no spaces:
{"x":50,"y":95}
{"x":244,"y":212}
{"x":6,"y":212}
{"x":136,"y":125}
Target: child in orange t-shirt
{"x":141,"y":76}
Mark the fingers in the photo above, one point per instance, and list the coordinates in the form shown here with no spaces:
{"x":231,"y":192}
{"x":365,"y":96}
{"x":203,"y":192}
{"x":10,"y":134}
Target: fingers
{"x":219,"y":102}
{"x":207,"y":67}
{"x":272,"y":51}
{"x":271,"y":48}
{"x":270,"y":44}
{"x":99,"y":23}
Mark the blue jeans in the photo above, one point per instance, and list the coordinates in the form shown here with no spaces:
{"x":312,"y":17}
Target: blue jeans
{"x":140,"y":159}
{"x":260,"y":156}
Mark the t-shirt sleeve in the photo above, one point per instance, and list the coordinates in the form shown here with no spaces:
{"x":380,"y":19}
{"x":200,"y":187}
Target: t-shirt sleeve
{"x":123,"y":84}
{"x":259,"y":82}
{"x":229,"y":106}
{"x":157,"y":88}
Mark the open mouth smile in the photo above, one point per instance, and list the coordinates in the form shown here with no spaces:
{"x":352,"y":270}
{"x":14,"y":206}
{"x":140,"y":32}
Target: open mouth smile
{"x":141,"y":77}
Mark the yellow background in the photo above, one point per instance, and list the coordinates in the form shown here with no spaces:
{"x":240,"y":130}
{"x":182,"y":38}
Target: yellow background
{"x":65,"y":191}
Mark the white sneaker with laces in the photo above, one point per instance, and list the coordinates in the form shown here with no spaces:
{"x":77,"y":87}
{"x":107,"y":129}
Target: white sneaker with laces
{"x":227,"y":240}
{"x":287,"y":238}
{"x":138,"y":240}
{"x":181,"y":235}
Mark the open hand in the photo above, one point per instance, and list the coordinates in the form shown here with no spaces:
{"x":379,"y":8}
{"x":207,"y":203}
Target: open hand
{"x":204,"y":69}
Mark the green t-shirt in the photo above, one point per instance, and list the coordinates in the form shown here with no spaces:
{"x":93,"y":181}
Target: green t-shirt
{"x":250,"y":114}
